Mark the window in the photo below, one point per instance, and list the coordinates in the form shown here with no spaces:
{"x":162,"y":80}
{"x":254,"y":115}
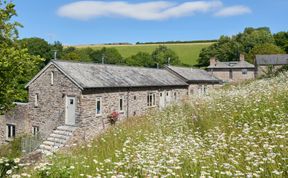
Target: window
{"x":230,"y":74}
{"x":35,"y":130}
{"x":151,"y":99}
{"x":135,"y":97}
{"x":52,"y":78}
{"x":175,"y":96}
{"x":121,"y":101}
{"x":36,"y":100}
{"x":98,"y":106}
{"x":204,"y":89}
{"x":10,"y":131}
{"x":244,"y":71}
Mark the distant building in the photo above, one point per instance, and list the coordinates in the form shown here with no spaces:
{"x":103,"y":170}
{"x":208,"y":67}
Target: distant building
{"x":200,"y":81}
{"x":275,"y":61}
{"x":232,"y":71}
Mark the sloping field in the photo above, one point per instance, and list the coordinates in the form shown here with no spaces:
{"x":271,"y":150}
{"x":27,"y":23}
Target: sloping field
{"x":187,"y":52}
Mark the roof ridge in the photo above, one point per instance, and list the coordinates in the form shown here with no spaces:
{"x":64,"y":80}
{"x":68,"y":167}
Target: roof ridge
{"x":114,"y":65}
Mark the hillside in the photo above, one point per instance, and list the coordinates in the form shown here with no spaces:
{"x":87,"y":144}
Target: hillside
{"x":187,"y":52}
{"x":239,"y":131}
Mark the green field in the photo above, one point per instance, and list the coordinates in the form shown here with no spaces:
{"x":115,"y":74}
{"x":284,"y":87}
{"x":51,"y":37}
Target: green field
{"x":187,"y":52}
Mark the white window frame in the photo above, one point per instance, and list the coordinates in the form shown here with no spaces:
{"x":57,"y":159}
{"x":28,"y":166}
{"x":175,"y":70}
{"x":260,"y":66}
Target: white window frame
{"x":52,"y":77}
{"x":100,"y":110}
{"x":35,"y":130}
{"x":12,"y":134}
{"x":36,"y":100}
{"x":151,"y":99}
{"x":121,"y":109}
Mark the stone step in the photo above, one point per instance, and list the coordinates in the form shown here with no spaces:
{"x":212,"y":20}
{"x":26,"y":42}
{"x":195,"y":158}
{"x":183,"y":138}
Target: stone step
{"x":51,"y":143}
{"x":57,"y":140}
{"x":48,"y":148}
{"x":46,"y":152}
{"x":59,"y":136}
{"x":67,"y":128}
{"x":61,"y":132}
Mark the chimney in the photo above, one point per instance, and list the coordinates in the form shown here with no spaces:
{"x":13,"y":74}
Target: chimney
{"x":213,"y":61}
{"x":242,"y":57}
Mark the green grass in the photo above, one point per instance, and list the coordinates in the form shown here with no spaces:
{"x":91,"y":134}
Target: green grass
{"x":187,"y":52}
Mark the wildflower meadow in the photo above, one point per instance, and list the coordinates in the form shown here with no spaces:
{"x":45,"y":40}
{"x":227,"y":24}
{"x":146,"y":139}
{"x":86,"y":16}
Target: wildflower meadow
{"x":237,"y":131}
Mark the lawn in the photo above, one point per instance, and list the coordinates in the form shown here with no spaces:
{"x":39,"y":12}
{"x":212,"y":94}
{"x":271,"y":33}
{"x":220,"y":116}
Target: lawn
{"x":187,"y":52}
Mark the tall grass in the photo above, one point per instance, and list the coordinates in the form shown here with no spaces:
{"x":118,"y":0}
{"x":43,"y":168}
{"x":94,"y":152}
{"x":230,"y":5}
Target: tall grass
{"x":241,"y":131}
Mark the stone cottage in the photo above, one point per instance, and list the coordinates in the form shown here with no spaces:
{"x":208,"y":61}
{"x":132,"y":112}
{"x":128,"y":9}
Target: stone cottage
{"x":200,"y":81}
{"x":74,"y":99}
{"x":232,"y":71}
{"x":272,"y":61}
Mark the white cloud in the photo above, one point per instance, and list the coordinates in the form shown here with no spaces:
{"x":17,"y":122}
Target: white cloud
{"x":233,"y":10}
{"x":158,"y":10}
{"x":152,"y":10}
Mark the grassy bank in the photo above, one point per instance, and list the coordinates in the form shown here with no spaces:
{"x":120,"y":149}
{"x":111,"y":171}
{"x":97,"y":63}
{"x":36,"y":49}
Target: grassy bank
{"x":187,"y":52}
{"x":239,"y":131}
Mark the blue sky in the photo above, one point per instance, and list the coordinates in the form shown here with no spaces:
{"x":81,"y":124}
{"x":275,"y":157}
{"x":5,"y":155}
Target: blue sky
{"x":91,"y":22}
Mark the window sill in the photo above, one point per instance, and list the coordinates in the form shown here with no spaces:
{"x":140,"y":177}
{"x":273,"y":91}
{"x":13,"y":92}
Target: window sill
{"x":121,"y":112}
{"x":98,"y":115}
{"x":152,"y":106}
{"x":9,"y":139}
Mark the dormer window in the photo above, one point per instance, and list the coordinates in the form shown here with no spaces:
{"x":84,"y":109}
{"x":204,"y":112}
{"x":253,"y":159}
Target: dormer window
{"x":52,"y":77}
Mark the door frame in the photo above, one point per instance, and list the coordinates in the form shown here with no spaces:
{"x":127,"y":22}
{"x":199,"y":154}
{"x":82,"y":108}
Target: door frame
{"x":67,"y":121}
{"x":163,"y":99}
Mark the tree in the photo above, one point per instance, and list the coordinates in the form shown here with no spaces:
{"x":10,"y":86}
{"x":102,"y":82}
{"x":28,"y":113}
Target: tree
{"x":254,"y":36}
{"x":229,"y":48}
{"x":17,"y":66}
{"x":281,"y":40}
{"x":109,"y":56}
{"x":163,"y":55}
{"x":37,"y":47}
{"x":140,"y":59}
{"x":266,"y":48}
{"x":226,"y":49}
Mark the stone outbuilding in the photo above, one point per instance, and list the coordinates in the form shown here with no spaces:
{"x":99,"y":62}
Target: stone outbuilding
{"x":232,"y":71}
{"x":272,"y":61}
{"x":200,"y":81}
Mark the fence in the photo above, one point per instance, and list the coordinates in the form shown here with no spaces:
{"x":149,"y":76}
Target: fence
{"x":31,"y":143}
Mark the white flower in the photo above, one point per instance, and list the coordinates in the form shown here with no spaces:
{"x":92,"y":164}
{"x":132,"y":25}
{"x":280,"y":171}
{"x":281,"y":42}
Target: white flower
{"x":9,"y":172}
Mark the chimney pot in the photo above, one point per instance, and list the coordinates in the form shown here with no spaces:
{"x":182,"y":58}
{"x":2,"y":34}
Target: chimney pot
{"x":213,"y":61}
{"x":242,"y":57}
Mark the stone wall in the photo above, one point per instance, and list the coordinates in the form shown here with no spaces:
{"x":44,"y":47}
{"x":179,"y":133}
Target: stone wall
{"x":135,"y":104}
{"x":198,"y":89}
{"x":237,"y":75}
{"x":2,"y":129}
{"x":50,"y":111}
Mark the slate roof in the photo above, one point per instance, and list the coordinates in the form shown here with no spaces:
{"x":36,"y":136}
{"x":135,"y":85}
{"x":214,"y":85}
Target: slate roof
{"x":275,"y":59}
{"x":91,"y":75}
{"x":232,"y":65}
{"x":192,"y":75}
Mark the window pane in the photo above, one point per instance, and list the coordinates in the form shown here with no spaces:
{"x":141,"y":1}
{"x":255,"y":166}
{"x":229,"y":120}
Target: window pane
{"x":13,"y":131}
{"x":98,"y":106}
{"x":121,"y":104}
